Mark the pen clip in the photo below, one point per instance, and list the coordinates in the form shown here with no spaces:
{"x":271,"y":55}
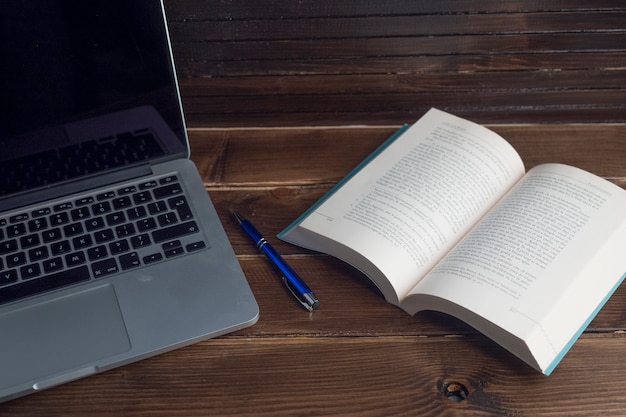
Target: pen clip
{"x":297,"y":296}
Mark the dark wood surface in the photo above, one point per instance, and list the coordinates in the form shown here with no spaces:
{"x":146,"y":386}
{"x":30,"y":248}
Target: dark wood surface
{"x":311,"y":62}
{"x":282,"y":101}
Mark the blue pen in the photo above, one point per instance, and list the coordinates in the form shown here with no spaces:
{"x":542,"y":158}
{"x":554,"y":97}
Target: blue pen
{"x":294,"y":283}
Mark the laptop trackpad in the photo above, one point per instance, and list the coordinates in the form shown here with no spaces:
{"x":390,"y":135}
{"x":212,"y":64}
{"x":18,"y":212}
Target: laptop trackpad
{"x":62,"y":334}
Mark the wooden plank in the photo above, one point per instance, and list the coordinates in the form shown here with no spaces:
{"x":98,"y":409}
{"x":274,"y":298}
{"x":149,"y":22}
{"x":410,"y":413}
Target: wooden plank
{"x":419,"y":64}
{"x":225,"y":156}
{"x":366,"y":376}
{"x":483,"y":107}
{"x":513,"y":114}
{"x":510,"y":82}
{"x":394,"y":25}
{"x":190,"y":10}
{"x":403,"y":103}
{"x":402,"y":46}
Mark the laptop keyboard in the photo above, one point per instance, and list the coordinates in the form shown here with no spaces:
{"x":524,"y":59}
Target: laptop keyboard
{"x":95,"y":236}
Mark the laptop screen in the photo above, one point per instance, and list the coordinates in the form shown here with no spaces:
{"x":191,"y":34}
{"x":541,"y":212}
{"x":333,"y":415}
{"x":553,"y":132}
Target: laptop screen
{"x":85,"y":87}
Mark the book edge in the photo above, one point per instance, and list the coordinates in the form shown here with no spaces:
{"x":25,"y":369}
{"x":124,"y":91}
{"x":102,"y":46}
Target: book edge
{"x":582,"y":328}
{"x":345,"y":179}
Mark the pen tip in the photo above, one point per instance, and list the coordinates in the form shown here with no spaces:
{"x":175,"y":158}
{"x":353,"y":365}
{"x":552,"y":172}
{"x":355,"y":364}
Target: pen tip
{"x":238,"y":216}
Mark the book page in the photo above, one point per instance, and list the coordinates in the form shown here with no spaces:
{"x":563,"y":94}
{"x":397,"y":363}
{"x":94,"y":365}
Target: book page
{"x":406,"y":208}
{"x":543,"y":259}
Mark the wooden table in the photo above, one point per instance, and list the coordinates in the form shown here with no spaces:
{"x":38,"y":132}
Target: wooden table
{"x":356,"y":355}
{"x":282,"y":100}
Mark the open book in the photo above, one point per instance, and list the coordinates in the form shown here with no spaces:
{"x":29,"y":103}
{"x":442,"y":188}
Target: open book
{"x":443,"y":217}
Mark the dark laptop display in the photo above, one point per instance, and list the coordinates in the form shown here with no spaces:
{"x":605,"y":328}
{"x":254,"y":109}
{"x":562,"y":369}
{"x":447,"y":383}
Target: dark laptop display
{"x":75,"y":62}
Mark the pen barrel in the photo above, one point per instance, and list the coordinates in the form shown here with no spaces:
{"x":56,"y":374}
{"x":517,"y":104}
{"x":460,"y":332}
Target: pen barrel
{"x":282,"y":265}
{"x":253,"y":233}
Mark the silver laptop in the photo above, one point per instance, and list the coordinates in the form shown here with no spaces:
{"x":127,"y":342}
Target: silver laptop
{"x":110,"y":249}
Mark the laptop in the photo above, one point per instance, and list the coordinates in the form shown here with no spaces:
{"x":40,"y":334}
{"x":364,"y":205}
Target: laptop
{"x":110,"y":249}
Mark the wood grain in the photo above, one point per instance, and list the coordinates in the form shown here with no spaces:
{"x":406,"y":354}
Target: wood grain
{"x":364,"y":376}
{"x":306,"y":156}
{"x":295,"y":64}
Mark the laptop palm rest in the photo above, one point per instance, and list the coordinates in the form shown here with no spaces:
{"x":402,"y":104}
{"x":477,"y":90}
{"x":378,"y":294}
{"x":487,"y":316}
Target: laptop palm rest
{"x":37,"y":337}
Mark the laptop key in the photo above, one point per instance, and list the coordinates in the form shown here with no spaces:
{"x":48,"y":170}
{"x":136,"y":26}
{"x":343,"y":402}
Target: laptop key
{"x":16,"y":259}
{"x":60,"y":247}
{"x":59,"y":218}
{"x":38,"y":253}
{"x":81,"y":213}
{"x":52,"y":265}
{"x":155,"y":257}
{"x":63,"y":206}
{"x":130,"y":260}
{"x":125,"y":230}
{"x":83,"y":241}
{"x":168,"y":190}
{"x":52,"y":235}
{"x":84,"y":201}
{"x":167,"y":219}
{"x":41,"y":212}
{"x":148,"y":184}
{"x":168,"y":180}
{"x":45,"y":283}
{"x":136,"y":212}
{"x":140,"y":241}
{"x":127,"y":190}
{"x":94,"y":224}
{"x":195,"y":246}
{"x":36,"y":225}
{"x":75,"y":258}
{"x":119,"y":246}
{"x":103,"y":268}
{"x":114,"y":218}
{"x":105,"y":196}
{"x":97,"y":252}
{"x":157,"y":207}
{"x":101,"y":208}
{"x":142,"y":197}
{"x":122,"y":202}
{"x":8,"y":246}
{"x":146,"y":224}
{"x":181,"y":206}
{"x":16,"y":230}
{"x":18,"y":218}
{"x":29,"y":241}
{"x":104,"y":235}
{"x":174,"y":252}
{"x":173,"y":232}
{"x":73,"y":229}
{"x":30,"y":271}
{"x":8,"y":277}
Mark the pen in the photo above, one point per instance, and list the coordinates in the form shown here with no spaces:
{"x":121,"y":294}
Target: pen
{"x":294,"y":283}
